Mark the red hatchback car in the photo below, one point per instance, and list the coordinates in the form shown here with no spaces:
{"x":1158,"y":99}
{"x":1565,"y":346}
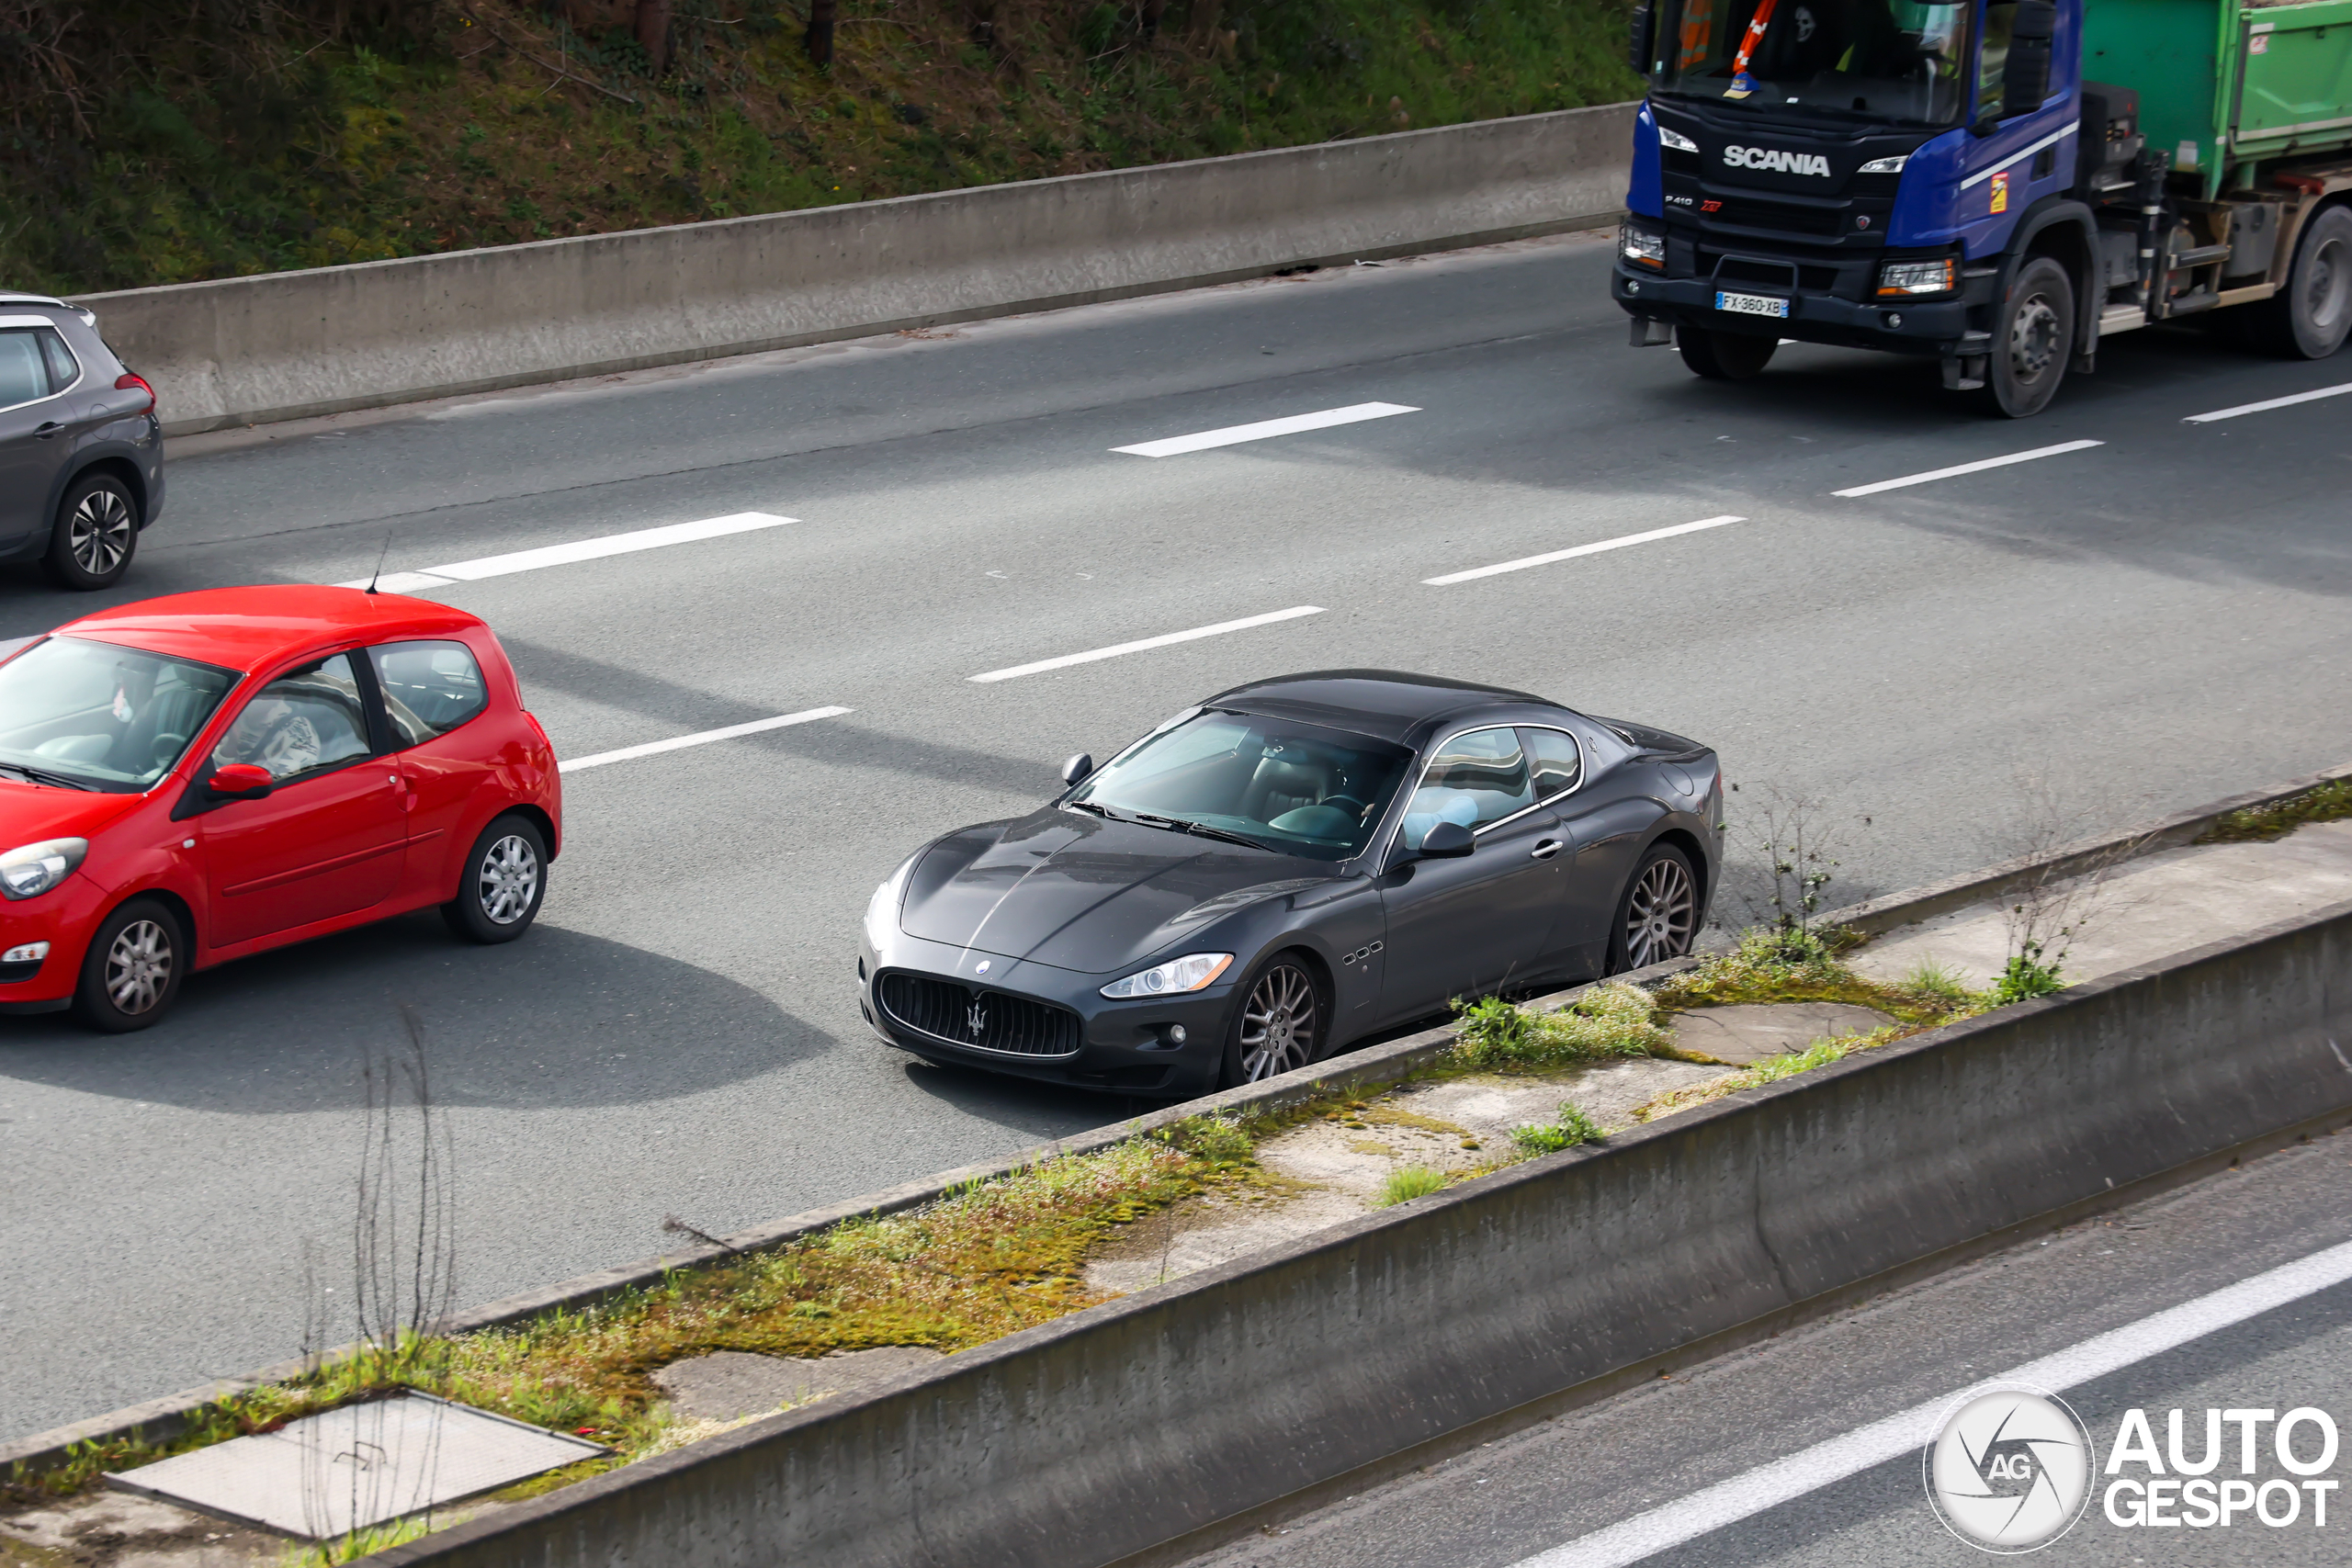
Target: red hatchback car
{"x":184,"y":780}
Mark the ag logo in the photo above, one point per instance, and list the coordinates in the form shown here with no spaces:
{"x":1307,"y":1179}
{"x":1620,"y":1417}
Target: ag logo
{"x":2010,"y":1470}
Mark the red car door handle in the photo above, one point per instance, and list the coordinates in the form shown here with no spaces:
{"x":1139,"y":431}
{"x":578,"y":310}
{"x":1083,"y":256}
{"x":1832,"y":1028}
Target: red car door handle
{"x":1544,"y":848}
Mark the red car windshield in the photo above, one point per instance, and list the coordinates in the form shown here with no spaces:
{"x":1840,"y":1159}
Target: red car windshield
{"x":85,"y":715}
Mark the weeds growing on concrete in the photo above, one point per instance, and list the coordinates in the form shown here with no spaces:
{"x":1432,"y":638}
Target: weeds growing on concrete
{"x":1570,"y":1127}
{"x":2027,"y":976}
{"x":1614,"y":1020}
{"x":1407,"y":1182}
{"x":1767,"y":967}
{"x":2330,"y":802}
{"x":1773,"y":1069}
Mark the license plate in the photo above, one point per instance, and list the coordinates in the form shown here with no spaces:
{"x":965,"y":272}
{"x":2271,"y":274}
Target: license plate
{"x":1751,"y":304}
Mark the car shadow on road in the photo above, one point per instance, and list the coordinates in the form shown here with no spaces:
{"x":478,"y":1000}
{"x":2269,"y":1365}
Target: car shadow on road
{"x":1042,"y":1110}
{"x":556,"y":1019}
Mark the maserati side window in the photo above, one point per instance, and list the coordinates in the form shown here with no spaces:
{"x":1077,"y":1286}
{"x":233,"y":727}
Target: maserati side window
{"x":1474,"y":779}
{"x":1553,"y":755}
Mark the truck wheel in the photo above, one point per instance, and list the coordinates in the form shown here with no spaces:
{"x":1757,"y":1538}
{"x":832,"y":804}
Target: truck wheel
{"x":2308,"y":318}
{"x":2033,"y":342}
{"x":1724,"y":357}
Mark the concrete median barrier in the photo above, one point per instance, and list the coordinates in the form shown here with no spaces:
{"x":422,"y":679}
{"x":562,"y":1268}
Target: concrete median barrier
{"x":282,"y":346}
{"x":1110,"y":1432}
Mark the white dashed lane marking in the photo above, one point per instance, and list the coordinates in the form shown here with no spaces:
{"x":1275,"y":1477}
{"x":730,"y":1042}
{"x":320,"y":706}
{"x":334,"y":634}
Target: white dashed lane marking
{"x":702,"y":737}
{"x":1234,"y":434}
{"x":1976,"y":468}
{"x":579,"y":550}
{"x":1523,"y":562}
{"x":1142,"y":643}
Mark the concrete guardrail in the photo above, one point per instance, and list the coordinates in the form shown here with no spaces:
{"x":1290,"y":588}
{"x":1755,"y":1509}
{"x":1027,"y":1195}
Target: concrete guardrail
{"x":282,"y":346}
{"x":1127,"y":1426}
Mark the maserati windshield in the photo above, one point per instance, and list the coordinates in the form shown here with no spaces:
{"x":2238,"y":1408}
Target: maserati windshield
{"x":1894,"y":60}
{"x":1296,"y":788}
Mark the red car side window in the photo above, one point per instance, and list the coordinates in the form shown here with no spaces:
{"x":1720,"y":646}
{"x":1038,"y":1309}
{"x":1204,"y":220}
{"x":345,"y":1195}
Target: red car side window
{"x":430,"y":688}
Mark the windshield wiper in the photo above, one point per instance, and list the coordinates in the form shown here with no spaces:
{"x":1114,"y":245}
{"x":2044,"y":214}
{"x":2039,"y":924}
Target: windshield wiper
{"x":35,"y":775}
{"x":1090,"y":805}
{"x":1205,"y":831}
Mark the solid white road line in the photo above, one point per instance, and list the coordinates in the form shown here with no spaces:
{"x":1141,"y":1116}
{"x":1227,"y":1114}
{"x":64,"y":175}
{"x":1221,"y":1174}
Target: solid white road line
{"x":1768,"y":1485}
{"x":1294,"y":613}
{"x":583,"y":549}
{"x":1234,"y":434}
{"x":1618,"y":544}
{"x":1976,"y":468}
{"x":2267,"y":404}
{"x":679,"y":742}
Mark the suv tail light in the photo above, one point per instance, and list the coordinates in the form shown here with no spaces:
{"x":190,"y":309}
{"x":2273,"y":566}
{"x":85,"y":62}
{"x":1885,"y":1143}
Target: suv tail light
{"x":128,"y":382}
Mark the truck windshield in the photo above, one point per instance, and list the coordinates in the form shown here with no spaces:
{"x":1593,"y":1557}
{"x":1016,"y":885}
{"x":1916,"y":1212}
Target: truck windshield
{"x":1895,"y":61}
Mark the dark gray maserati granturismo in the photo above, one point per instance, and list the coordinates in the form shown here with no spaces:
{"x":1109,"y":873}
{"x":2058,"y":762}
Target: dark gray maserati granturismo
{"x":1292,"y":865}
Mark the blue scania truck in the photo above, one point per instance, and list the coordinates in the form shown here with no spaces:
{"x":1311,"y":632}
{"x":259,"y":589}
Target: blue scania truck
{"x":1998,"y":185}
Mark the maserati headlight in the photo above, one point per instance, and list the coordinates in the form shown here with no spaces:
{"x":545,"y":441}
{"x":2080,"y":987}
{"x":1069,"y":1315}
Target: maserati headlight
{"x":1189,"y":973}
{"x":34,"y":869}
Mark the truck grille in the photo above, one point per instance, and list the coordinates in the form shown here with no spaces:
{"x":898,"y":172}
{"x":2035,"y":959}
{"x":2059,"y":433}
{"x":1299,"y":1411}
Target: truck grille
{"x":977,"y":1020}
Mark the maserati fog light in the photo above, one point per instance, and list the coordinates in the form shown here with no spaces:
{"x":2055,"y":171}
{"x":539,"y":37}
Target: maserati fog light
{"x":1175,"y":1030}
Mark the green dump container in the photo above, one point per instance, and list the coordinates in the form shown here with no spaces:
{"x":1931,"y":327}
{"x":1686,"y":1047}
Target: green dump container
{"x":2227,"y":84}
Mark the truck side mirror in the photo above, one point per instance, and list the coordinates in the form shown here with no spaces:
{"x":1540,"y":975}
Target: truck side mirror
{"x":2025,"y":77}
{"x":1644,"y":29}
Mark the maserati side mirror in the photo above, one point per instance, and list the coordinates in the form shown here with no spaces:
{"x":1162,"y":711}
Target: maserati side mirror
{"x":1077,"y":767}
{"x":1447,"y":840}
{"x":239,"y":780}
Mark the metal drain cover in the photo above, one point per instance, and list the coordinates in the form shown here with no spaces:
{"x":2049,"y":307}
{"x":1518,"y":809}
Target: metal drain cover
{"x":359,"y":1465}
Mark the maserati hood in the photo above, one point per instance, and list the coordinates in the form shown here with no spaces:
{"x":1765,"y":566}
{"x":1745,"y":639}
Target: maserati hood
{"x":1085,"y":893}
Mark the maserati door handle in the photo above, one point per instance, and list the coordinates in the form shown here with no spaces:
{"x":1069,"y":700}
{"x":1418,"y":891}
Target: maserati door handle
{"x":1544,"y":848}
{"x":45,"y":431}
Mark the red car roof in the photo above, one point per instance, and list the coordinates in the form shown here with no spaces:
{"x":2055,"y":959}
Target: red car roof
{"x":246,"y":628}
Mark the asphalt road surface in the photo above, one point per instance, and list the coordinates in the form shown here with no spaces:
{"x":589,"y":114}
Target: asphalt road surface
{"x":1751,"y":1459}
{"x":2108,"y":630}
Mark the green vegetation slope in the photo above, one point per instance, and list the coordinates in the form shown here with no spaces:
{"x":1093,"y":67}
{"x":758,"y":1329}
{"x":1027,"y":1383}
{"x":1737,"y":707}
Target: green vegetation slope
{"x":146,"y":142}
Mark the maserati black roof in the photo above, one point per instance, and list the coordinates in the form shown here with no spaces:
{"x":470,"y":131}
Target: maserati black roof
{"x":1389,"y":703}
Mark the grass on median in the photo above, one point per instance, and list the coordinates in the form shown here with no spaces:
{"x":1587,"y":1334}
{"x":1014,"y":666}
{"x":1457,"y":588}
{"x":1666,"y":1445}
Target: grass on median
{"x":988,"y":1259}
{"x":2330,"y":802}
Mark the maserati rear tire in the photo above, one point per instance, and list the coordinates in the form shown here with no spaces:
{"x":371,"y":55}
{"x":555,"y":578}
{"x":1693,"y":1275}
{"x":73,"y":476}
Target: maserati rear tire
{"x":1658,"y":915}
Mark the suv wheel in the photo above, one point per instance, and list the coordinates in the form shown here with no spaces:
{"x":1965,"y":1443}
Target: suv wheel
{"x":96,"y":530}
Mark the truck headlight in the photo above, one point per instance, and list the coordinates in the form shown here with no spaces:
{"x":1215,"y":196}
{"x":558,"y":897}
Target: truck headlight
{"x":1676,"y":140}
{"x":1886,"y":165}
{"x":1641,"y":247}
{"x":1189,"y":973}
{"x":1908,"y":279}
{"x":32,"y":869}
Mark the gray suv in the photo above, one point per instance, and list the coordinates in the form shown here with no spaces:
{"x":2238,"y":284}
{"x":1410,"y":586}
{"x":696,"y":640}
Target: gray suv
{"x":80,"y":449}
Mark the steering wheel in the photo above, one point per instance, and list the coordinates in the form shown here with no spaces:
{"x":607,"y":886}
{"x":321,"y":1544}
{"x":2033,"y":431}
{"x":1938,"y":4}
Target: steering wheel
{"x":167,"y":748}
{"x":1343,"y":802}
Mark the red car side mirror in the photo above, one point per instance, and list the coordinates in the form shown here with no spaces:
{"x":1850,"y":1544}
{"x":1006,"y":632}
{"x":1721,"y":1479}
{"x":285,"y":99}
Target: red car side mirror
{"x":240,"y":781}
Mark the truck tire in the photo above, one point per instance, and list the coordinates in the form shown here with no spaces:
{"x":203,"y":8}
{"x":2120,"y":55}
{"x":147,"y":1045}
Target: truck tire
{"x":2034,"y":340}
{"x":2308,"y":318}
{"x":1724,"y":357}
